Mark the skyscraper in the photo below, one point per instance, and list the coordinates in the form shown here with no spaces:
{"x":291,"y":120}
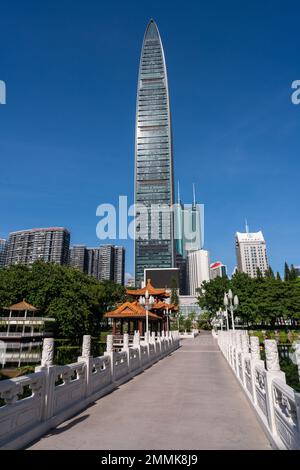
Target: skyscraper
{"x":47,"y":244}
{"x":251,"y":252}
{"x":189,"y":226}
{"x":153,"y":159}
{"x":198,"y":269}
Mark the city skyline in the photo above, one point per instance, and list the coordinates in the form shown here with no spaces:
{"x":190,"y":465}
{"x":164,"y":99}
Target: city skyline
{"x":245,"y":123}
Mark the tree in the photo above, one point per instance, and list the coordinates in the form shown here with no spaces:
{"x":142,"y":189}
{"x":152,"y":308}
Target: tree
{"x":278,"y":277}
{"x":269,"y":273}
{"x":293,"y":274}
{"x":286,"y":272}
{"x":76,"y":300}
{"x":211,"y":294}
{"x":174,"y":292}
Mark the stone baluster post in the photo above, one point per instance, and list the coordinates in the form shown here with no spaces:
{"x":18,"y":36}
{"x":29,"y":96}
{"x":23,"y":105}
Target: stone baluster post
{"x":137,"y":345}
{"x":49,"y":369}
{"x":48,"y":352}
{"x":110,"y":352}
{"x":245,"y":344}
{"x":273,"y":371}
{"x":255,"y":348}
{"x":88,"y":360}
{"x":126,"y":348}
{"x":272,"y":357}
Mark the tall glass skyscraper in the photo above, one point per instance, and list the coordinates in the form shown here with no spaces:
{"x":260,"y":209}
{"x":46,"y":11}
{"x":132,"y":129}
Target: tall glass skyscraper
{"x":154,"y":244}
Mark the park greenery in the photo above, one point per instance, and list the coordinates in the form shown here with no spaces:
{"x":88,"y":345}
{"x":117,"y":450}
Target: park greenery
{"x":264,"y":300}
{"x":76,"y":300}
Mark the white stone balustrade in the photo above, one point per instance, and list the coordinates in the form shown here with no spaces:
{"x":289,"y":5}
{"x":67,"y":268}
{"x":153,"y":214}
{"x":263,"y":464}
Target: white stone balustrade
{"x":31,"y":405}
{"x":277,"y":405}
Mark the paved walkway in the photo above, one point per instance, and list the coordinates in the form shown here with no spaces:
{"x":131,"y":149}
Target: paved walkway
{"x":189,"y":400}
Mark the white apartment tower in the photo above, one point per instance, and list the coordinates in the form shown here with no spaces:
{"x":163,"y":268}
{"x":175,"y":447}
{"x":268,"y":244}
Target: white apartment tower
{"x":251,"y":252}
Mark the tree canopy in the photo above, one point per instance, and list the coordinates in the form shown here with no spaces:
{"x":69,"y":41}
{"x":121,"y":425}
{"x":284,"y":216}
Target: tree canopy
{"x":76,"y":300}
{"x":262,"y":299}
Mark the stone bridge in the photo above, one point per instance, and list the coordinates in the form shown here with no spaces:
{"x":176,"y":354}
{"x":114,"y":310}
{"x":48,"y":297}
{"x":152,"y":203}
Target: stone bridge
{"x":209,"y":393}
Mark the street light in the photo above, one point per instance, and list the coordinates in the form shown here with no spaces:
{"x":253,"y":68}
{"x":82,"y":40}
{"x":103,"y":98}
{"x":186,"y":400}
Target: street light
{"x":232,"y":302}
{"x":147,"y":301}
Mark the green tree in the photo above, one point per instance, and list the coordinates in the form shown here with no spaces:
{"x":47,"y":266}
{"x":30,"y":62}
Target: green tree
{"x":286,"y":272}
{"x":174,"y":292}
{"x":75,"y":300}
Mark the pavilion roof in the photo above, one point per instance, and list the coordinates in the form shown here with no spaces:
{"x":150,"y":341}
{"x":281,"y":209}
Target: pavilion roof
{"x":21,"y":306}
{"x":131,"y":310}
{"x":164,"y":306}
{"x":151,"y":290}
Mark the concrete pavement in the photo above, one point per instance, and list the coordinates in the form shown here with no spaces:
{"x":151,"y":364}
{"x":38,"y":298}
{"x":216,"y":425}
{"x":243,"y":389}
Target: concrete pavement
{"x":189,"y":400}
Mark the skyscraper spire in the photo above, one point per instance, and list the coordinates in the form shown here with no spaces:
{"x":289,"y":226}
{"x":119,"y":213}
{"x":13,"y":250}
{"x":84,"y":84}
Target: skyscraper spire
{"x":178,"y":193}
{"x":247,"y":226}
{"x":194,"y":195}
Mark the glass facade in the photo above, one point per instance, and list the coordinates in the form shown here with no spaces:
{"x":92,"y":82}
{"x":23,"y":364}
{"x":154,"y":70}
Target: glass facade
{"x":154,"y":243}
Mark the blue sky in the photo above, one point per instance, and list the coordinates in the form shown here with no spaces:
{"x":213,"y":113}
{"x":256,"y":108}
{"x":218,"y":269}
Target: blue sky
{"x":67,"y":130}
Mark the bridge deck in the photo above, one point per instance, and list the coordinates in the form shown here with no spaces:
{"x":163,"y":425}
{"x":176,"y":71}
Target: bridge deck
{"x":189,"y":400}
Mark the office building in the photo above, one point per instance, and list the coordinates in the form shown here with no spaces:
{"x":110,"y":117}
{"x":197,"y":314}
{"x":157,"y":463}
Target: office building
{"x":47,"y":244}
{"x":251,"y":252}
{"x":154,"y":240}
{"x":189,"y":226}
{"x":217,"y":269}
{"x":197,"y":269}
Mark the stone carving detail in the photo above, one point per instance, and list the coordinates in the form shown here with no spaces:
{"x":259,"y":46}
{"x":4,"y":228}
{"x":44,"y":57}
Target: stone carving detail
{"x":255,"y":349}
{"x":109,"y":343}
{"x":285,"y":405}
{"x":272,"y":358}
{"x":86,"y":346}
{"x":260,"y":381}
{"x":48,"y":352}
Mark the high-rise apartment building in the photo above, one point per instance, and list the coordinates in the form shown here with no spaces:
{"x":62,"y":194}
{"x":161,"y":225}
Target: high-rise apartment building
{"x":198,"y":270}
{"x":106,"y":263}
{"x":119,"y":264}
{"x":79,"y":257}
{"x":47,"y":244}
{"x":2,"y":252}
{"x":154,"y":243}
{"x":251,"y":253}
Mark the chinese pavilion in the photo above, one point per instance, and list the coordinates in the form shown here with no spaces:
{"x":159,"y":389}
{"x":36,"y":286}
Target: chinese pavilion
{"x":147,"y":300}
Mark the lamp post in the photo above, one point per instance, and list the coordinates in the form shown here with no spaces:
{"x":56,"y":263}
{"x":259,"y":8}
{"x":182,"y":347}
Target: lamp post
{"x":232,"y":303}
{"x":147,"y":301}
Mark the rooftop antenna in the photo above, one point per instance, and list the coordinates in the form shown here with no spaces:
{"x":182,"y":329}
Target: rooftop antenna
{"x":247,"y":226}
{"x":194,"y":195}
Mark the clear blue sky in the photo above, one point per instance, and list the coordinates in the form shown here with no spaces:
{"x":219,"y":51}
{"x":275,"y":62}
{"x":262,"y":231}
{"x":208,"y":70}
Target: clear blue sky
{"x":67,"y":130}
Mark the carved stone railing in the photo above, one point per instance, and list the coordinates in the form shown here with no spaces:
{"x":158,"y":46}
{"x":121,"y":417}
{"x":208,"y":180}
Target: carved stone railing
{"x":31,"y":405}
{"x":277,"y":405}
